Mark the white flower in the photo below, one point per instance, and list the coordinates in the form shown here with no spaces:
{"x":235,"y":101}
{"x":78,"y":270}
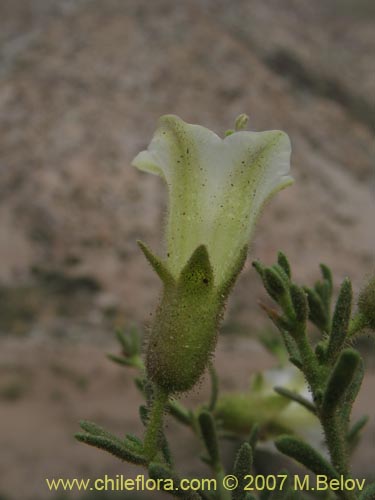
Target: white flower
{"x":217,"y":188}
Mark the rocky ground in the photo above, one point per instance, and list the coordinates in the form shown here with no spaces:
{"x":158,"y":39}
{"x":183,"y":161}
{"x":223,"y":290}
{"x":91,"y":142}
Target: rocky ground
{"x":82,"y":84}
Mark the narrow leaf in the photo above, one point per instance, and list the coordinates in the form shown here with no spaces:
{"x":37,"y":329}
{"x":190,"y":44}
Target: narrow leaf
{"x":293,"y":396}
{"x":353,"y":390}
{"x":253,"y":436}
{"x":300,"y":303}
{"x":353,"y":434}
{"x":135,"y":341}
{"x":112,"y":447}
{"x":180,"y":413}
{"x":132,"y":362}
{"x":317,"y":313}
{"x":242,"y":467}
{"x":274,"y":284}
{"x":96,"y":430}
{"x":306,"y":455}
{"x":327,"y":275}
{"x":283,"y":262}
{"x":166,"y":450}
{"x":340,"y":380}
{"x":340,"y":321}
{"x":134,"y":439}
{"x":209,"y":435}
{"x":123,"y":340}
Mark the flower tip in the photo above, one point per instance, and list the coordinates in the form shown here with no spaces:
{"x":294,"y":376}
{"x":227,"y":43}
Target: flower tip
{"x":158,"y":266}
{"x":241,"y":122}
{"x":198,"y":269}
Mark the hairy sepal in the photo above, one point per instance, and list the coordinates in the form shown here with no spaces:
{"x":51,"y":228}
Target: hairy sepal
{"x":184,"y":332}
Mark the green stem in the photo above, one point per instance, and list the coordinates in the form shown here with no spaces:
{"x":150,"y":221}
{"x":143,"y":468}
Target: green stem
{"x":336,"y":443}
{"x":332,"y":426}
{"x":337,"y":447}
{"x":154,"y":426}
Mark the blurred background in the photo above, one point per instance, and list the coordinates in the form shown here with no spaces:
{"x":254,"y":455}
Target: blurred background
{"x":82,"y":84}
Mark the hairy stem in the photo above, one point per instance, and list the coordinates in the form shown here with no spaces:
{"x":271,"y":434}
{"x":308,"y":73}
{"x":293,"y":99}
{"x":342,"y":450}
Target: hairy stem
{"x":154,"y":425}
{"x":338,"y":450}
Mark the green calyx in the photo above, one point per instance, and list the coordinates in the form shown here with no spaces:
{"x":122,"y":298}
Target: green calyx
{"x":184,"y":333}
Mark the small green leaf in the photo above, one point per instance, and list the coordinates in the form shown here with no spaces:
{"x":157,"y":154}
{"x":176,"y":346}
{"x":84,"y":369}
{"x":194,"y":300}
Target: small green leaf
{"x":253,"y":436}
{"x":179,"y":412}
{"x":306,"y":455}
{"x":135,"y":341}
{"x":132,"y":362}
{"x":134,"y":439}
{"x":166,"y":450}
{"x":317,"y":313}
{"x":282,"y":323}
{"x":340,"y":321}
{"x":259,"y":267}
{"x":96,"y":430}
{"x":242,"y":467}
{"x":283,"y":262}
{"x":274,"y":284}
{"x":113,"y":447}
{"x":293,"y":396}
{"x":300,"y":304}
{"x":340,"y":380}
{"x":353,"y":434}
{"x":353,"y":390}
{"x":209,"y":435}
{"x":327,"y":275}
{"x":324,"y":289}
{"x":124,"y":341}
